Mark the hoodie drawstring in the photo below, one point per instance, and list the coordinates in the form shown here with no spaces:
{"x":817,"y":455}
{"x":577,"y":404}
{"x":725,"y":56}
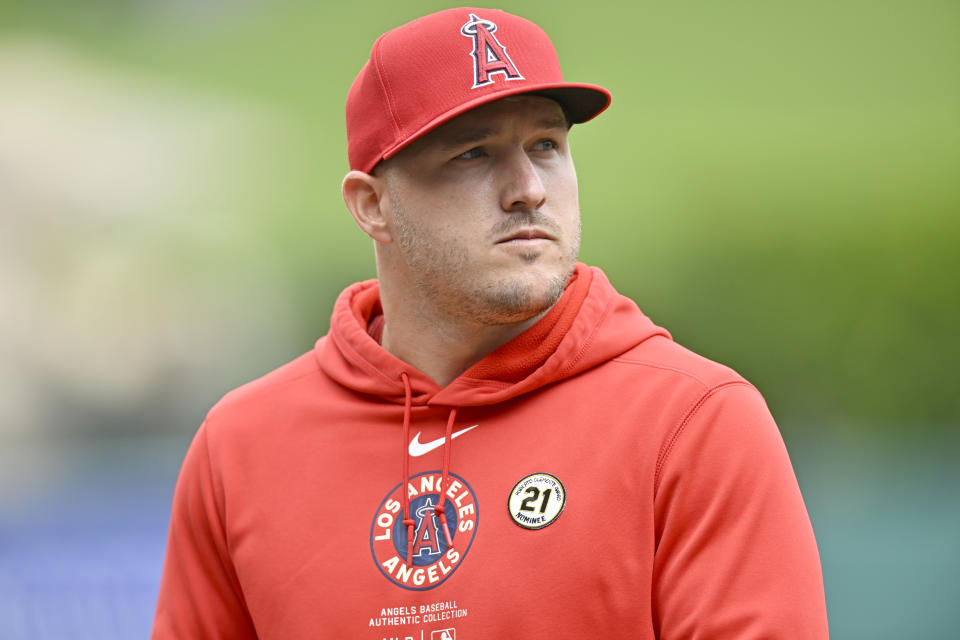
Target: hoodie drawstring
{"x":438,"y":509}
{"x":407,"y":408}
{"x":447,"y":448}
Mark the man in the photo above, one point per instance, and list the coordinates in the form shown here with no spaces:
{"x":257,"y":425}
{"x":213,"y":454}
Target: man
{"x":491,"y":442}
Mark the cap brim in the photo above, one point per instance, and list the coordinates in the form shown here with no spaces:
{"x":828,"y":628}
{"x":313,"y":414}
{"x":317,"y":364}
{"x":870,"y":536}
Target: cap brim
{"x":581,"y":102}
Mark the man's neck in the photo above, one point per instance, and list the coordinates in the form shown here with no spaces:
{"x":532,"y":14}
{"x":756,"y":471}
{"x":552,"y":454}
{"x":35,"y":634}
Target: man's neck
{"x":440,"y":346}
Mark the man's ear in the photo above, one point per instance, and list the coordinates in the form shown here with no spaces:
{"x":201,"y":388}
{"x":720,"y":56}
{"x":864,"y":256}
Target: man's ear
{"x":364,"y":195}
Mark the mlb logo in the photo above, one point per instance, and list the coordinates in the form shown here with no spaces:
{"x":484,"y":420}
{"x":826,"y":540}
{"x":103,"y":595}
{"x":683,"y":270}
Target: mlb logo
{"x":444,"y":634}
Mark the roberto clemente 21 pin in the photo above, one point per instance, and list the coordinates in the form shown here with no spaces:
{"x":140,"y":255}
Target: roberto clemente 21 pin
{"x":536,"y":500}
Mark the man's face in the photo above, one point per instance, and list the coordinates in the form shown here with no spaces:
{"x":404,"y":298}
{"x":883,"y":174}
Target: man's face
{"x":484,"y":211}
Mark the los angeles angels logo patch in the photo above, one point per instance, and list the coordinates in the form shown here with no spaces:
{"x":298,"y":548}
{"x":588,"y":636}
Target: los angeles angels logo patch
{"x":432,"y":560}
{"x":489,"y":56}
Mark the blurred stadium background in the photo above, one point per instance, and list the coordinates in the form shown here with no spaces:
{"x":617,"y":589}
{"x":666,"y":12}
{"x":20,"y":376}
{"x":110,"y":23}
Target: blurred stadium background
{"x":776,"y":183}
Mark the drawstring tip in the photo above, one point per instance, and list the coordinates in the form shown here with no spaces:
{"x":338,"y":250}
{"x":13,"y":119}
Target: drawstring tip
{"x":409,"y":542}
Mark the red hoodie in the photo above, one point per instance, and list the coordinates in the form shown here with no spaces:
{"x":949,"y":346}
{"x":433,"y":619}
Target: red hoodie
{"x":598,"y":480}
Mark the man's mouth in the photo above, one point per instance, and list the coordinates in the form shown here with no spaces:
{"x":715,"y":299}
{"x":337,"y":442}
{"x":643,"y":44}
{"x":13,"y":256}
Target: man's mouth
{"x":525,"y":235}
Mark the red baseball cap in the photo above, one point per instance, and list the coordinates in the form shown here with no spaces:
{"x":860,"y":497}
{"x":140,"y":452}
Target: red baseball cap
{"x":437,"y":67}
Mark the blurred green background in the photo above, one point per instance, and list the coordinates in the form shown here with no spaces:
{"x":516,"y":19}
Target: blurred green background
{"x":776,"y":183}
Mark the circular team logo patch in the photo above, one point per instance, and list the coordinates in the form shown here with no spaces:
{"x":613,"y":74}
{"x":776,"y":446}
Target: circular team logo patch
{"x":536,"y":501}
{"x":432,"y":560}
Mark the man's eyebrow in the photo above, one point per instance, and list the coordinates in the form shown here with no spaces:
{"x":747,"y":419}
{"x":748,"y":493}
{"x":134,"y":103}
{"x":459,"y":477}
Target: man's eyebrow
{"x":467,"y":136}
{"x":555,"y":122}
{"x":473,"y":135}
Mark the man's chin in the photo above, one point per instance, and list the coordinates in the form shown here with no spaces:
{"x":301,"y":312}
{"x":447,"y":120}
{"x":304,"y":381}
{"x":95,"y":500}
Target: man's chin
{"x":519,"y":299}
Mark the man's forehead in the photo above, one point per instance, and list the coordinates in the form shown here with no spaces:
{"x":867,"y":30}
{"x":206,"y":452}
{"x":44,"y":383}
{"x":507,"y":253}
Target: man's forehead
{"x":489,"y":119}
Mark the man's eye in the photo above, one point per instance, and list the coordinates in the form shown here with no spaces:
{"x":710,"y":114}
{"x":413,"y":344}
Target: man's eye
{"x":470,"y":154}
{"x":546,"y":145}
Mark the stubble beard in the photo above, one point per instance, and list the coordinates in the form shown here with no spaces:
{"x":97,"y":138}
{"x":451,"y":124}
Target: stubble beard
{"x":444,"y":277}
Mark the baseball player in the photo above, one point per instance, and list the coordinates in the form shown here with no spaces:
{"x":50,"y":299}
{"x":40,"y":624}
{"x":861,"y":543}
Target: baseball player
{"x":490,"y":442}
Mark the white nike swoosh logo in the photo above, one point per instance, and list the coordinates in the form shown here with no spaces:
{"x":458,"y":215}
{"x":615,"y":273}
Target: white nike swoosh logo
{"x":418,"y":448}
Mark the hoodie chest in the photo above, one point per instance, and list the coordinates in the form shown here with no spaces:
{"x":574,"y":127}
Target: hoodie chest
{"x":545,"y":494}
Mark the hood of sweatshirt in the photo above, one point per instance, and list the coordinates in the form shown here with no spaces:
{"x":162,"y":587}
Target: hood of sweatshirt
{"x":590,"y":324}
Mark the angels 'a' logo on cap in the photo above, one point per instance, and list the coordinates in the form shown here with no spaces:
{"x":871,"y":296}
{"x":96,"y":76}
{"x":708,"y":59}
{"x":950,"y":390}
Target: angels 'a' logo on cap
{"x":489,"y":56}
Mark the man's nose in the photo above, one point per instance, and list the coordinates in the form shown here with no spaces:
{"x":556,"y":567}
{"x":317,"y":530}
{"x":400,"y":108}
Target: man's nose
{"x":523,"y":188}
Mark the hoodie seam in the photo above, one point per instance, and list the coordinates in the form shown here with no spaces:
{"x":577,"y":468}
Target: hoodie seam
{"x":566,"y":370}
{"x":481,"y":382}
{"x":667,"y":448}
{"x":220,"y":499}
{"x":360,"y":360}
{"x":663,"y":367}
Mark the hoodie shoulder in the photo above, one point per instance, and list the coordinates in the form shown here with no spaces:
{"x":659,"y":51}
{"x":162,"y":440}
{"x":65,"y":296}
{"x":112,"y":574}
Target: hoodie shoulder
{"x":275,"y":384}
{"x":660,"y":352}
